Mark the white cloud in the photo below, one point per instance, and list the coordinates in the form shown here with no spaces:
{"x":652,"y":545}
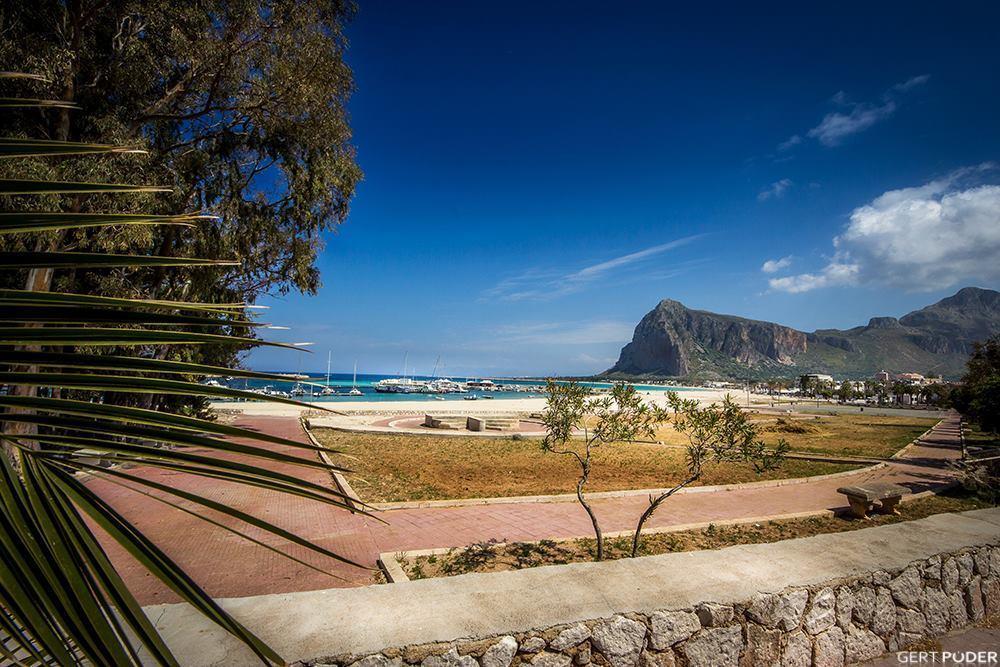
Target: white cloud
{"x":834,"y":273}
{"x":775,"y":265}
{"x":775,"y":190}
{"x":926,"y":237}
{"x":855,"y":117}
{"x":535,"y":284}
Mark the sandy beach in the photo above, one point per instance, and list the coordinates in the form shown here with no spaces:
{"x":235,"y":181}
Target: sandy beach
{"x":451,"y":407}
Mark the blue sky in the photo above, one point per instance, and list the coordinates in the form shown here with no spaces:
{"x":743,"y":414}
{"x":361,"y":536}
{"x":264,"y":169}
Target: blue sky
{"x":539,"y":175}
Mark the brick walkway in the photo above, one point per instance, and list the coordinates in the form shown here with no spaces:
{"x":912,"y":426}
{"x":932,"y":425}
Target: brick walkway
{"x":229,"y":566}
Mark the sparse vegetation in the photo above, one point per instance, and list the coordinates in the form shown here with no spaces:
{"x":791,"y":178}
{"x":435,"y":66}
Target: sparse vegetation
{"x":502,"y":556}
{"x":716,"y":433}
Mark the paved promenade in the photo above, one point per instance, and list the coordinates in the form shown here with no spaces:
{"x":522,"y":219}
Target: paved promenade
{"x":229,"y":566}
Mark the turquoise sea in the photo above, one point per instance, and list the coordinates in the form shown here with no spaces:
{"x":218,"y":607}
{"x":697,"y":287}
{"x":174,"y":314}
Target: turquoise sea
{"x":342,"y":382}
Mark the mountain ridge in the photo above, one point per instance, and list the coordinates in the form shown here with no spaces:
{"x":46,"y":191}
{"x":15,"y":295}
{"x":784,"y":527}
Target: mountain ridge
{"x":675,"y":341}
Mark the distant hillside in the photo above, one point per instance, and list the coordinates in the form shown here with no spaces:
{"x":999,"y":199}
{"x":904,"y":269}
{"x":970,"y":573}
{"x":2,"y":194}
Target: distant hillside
{"x":675,"y":341}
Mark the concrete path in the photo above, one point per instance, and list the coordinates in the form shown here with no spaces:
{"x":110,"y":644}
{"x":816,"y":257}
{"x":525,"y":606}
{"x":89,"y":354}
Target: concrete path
{"x":229,"y":566}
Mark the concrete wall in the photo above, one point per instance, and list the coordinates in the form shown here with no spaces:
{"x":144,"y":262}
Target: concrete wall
{"x":822,"y":600}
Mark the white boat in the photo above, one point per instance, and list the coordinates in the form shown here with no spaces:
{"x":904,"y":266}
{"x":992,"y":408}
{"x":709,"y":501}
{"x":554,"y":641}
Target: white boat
{"x":471,"y":397}
{"x":327,"y":390}
{"x":298,"y":390}
{"x":354,"y":391}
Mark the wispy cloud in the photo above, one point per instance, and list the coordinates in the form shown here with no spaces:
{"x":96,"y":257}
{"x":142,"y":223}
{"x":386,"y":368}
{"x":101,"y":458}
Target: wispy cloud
{"x":541,"y":285}
{"x":775,"y":190}
{"x":591,"y":332}
{"x":855,"y":117}
{"x":775,"y":265}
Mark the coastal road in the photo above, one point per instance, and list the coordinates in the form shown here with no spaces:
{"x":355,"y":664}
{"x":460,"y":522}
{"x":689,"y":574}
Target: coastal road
{"x":229,"y":566}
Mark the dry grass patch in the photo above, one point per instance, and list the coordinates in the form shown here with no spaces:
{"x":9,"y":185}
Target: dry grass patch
{"x":496,"y":556}
{"x":845,"y":435}
{"x":388,"y":467}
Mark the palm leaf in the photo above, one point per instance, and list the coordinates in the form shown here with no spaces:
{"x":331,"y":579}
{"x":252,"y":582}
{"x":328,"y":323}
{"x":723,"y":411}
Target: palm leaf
{"x":47,"y":221}
{"x":29,"y":296}
{"x":136,"y":364}
{"x":28,"y":103}
{"x":62,"y":601}
{"x":18,"y":148}
{"x":11,"y":186}
{"x":96,"y":260}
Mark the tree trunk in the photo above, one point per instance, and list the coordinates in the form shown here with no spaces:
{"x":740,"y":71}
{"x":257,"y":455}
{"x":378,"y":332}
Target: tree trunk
{"x":590,"y":512}
{"x":653,"y":504}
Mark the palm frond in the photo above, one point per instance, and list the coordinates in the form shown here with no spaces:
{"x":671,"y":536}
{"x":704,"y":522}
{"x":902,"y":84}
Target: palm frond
{"x":62,"y":600}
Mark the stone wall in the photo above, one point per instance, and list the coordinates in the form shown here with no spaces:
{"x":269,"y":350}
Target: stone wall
{"x":834,"y":623}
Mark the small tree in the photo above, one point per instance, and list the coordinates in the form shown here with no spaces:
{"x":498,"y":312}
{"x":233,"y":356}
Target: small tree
{"x":620,"y":415}
{"x":716,"y":433}
{"x":846,"y":391}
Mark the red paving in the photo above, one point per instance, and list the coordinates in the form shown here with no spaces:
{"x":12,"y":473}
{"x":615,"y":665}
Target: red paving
{"x":229,"y":566}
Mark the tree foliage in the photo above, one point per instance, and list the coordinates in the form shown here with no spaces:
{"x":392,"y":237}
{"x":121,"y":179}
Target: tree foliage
{"x":716,"y":433}
{"x":242,"y":105}
{"x":978,"y":397}
{"x":572,"y":414}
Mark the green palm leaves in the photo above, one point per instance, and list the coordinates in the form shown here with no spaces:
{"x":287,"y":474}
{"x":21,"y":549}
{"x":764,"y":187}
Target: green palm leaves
{"x":61,"y":598}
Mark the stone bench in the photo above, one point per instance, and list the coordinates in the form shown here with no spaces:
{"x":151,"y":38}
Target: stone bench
{"x":863,"y":497}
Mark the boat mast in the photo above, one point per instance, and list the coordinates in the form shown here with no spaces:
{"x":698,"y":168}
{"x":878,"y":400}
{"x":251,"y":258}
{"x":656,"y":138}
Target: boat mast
{"x":354,"y":383}
{"x":328,"y":354}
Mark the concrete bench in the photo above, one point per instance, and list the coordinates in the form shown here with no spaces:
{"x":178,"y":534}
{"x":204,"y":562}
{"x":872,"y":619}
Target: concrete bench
{"x":863,"y":497}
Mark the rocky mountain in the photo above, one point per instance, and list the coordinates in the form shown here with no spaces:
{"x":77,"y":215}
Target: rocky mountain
{"x":675,"y":341}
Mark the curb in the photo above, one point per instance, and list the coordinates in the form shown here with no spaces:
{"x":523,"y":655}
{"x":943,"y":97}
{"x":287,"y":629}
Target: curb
{"x":350,"y":495}
{"x":394,"y":572}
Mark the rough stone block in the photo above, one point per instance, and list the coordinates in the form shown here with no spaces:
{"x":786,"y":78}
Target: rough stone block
{"x":974,"y":599}
{"x":958,"y":614}
{"x":935,"y":606}
{"x":450,"y":659}
{"x":861,"y":645}
{"x":798,"y":650}
{"x":982,"y":560}
{"x":965,"y":567}
{"x":907,"y":588}
{"x":949,"y":575}
{"x":828,"y":651}
{"x":932,"y":568}
{"x":671,"y":627}
{"x":714,"y":647}
{"x":763,"y":646}
{"x":911,"y":621}
{"x":784,"y":610}
{"x":884,"y":619}
{"x":991,"y":593}
{"x":845,"y":606}
{"x":864,"y":605}
{"x":620,"y":640}
{"x":713,"y":615}
{"x":532,"y":645}
{"x":570,"y":637}
{"x":658,"y":659}
{"x":822,"y":612}
{"x":548,"y":659}
{"x":500,"y":654}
